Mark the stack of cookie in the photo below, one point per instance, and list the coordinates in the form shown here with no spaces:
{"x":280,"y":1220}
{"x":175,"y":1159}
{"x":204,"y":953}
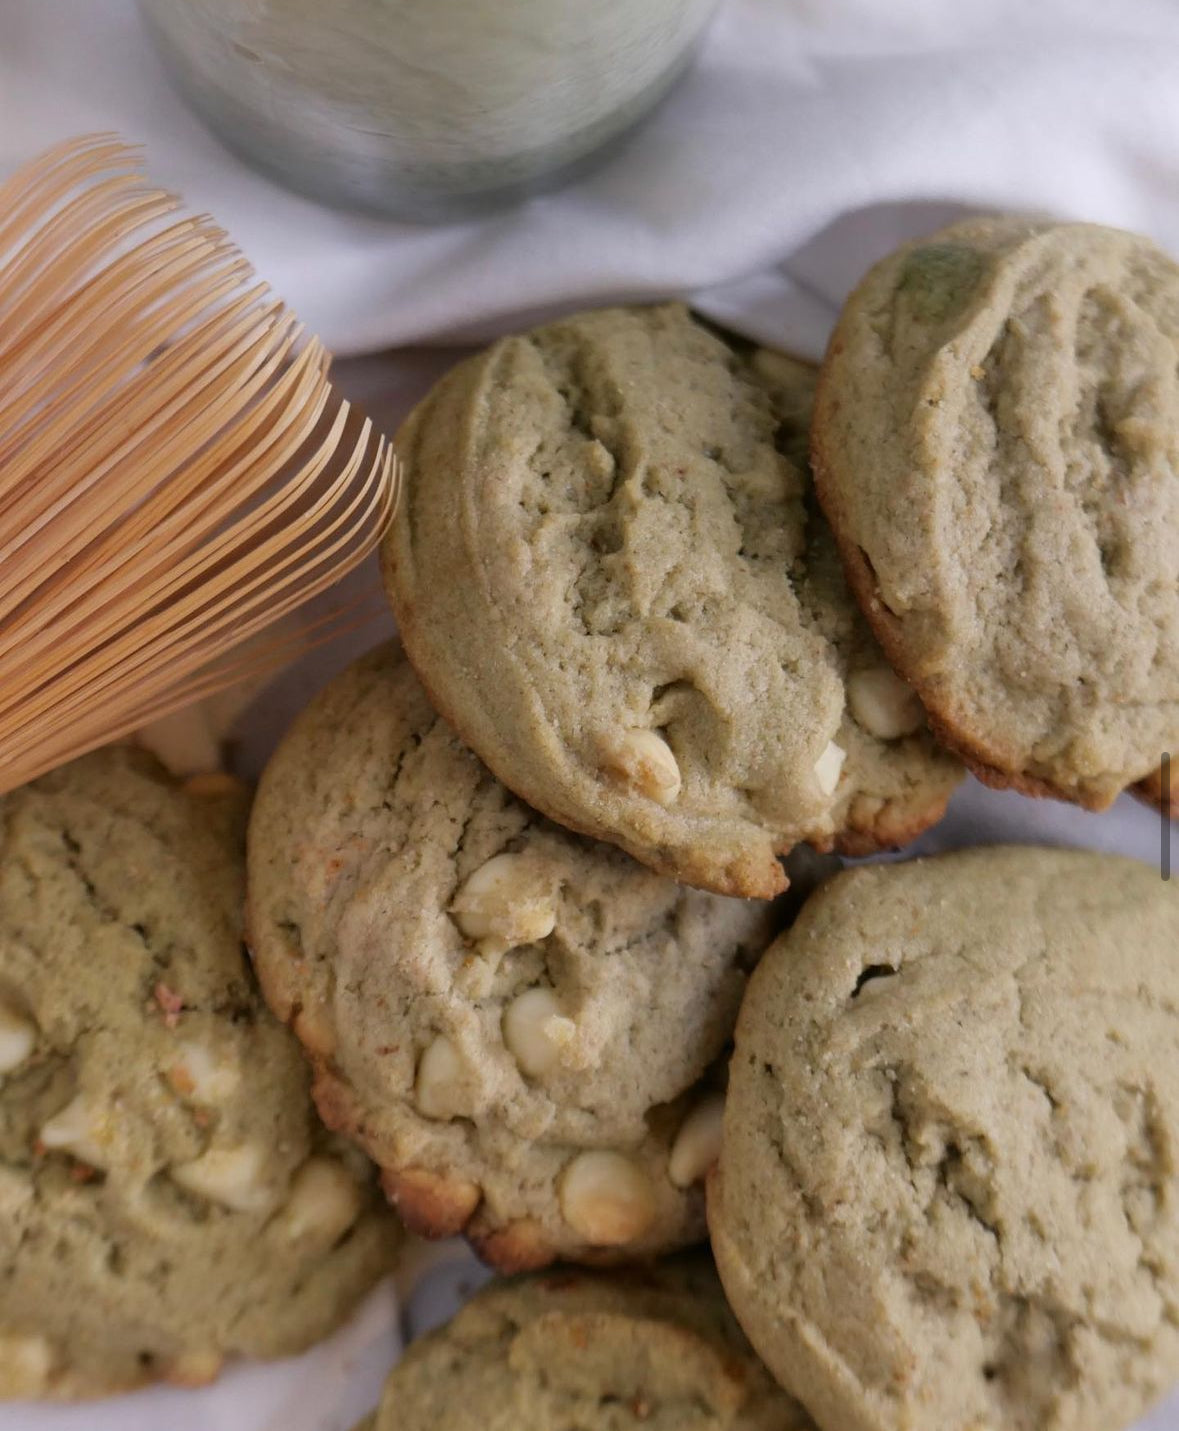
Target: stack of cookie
{"x":945,"y":1194}
{"x":528,"y":894}
{"x":509,"y":935}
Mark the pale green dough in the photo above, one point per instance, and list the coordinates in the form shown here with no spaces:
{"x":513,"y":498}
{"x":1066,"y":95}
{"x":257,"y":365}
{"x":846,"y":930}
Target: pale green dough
{"x":134,"y":1044}
{"x":947,"y":1195}
{"x":371,"y":823}
{"x":650,"y":1350}
{"x":608,"y":548}
{"x":996,"y":445}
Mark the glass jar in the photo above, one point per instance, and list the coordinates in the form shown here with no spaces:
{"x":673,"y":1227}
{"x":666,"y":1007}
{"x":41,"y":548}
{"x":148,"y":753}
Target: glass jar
{"x":424,"y":108}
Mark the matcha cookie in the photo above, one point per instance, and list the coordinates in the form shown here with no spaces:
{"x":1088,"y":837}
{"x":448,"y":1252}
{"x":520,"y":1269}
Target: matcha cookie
{"x":167,"y":1197}
{"x":947,"y":1193}
{"x":518,"y":1024}
{"x":611,"y":578}
{"x":996,"y":444}
{"x":580,"y":1351}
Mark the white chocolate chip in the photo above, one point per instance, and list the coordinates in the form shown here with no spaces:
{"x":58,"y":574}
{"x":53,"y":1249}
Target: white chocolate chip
{"x":80,"y":1130}
{"x":643,"y":760}
{"x":234,"y":1177}
{"x":184,"y":741}
{"x":440,"y":1081}
{"x":535,"y":1031}
{"x":698,"y":1143}
{"x":200,"y":1077}
{"x":607,"y":1198}
{"x":828,"y":766}
{"x":194,"y":1368}
{"x":883,"y":705}
{"x":25,"y":1365}
{"x":324,"y":1202}
{"x":507,"y":902}
{"x":18,"y":1037}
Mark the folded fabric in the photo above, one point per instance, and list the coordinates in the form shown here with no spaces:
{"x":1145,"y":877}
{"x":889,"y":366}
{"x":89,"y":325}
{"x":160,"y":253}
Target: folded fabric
{"x":809,"y":138}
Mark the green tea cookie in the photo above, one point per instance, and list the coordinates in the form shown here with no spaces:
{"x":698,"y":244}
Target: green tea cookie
{"x":167,"y":1198}
{"x":581,"y":1351}
{"x":518,"y":1024}
{"x":947,"y":1195}
{"x":996,"y":444}
{"x":611,"y":578}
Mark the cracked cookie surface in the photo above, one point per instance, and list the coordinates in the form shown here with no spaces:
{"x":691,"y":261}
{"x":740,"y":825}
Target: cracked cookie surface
{"x":167,"y":1196}
{"x":613,"y":581}
{"x":946,"y":1197}
{"x":996,"y":445}
{"x":520,"y":1025}
{"x":570,"y":1350}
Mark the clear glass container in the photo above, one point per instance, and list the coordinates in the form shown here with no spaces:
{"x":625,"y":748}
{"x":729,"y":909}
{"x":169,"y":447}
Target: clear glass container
{"x":424,"y":109}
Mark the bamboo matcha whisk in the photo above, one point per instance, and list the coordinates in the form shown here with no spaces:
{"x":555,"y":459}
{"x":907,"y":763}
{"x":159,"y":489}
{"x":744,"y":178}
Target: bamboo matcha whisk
{"x":176,"y":472}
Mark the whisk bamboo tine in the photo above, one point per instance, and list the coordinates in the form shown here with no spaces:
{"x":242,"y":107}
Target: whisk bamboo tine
{"x":146,"y":328}
{"x":175,"y":471}
{"x":103,"y":151}
{"x":110,"y":437}
{"x":95,"y":435}
{"x":285,"y":586}
{"x":202,"y":617}
{"x":261,"y":662}
{"x":172,"y":570}
{"x":35,"y":268}
{"x":359,"y":611}
{"x":39,"y":188}
{"x":218,"y":494}
{"x":152,"y":661}
{"x":115,"y":444}
{"x":170,"y":255}
{"x":200,"y":613}
{"x":81,"y":375}
{"x":191,"y":624}
{"x":263,"y":659}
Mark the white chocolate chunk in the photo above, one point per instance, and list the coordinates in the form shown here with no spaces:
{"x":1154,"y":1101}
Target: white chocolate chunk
{"x":643,"y":760}
{"x":439,"y":1091}
{"x":698,"y":1143}
{"x":607,"y":1198}
{"x":324,"y":1202}
{"x":507,"y":902}
{"x":200,"y":1077}
{"x":18,"y":1037}
{"x":234,"y":1177}
{"x":25,"y":1364}
{"x":535,"y":1031}
{"x":80,"y":1130}
{"x":184,"y":741}
{"x":883,"y":705}
{"x":828,"y":766}
{"x":194,"y":1368}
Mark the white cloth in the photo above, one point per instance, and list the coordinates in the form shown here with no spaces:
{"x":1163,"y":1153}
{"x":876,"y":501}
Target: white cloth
{"x":812,"y":136}
{"x":802,"y":115}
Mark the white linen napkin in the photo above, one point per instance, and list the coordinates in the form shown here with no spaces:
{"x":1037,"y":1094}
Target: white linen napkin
{"x":809,"y":138}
